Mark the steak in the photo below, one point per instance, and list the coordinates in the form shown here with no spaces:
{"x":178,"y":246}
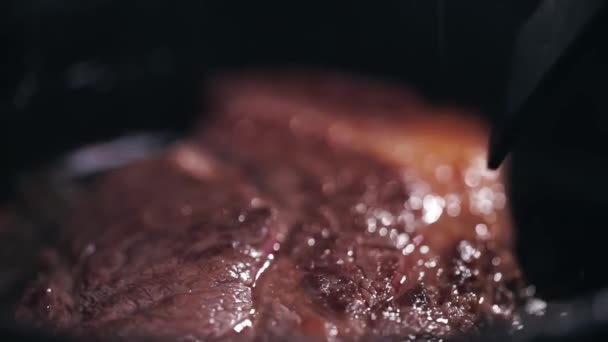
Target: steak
{"x":305,"y":205}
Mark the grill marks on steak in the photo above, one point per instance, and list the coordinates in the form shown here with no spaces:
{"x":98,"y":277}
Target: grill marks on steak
{"x":295,"y":219}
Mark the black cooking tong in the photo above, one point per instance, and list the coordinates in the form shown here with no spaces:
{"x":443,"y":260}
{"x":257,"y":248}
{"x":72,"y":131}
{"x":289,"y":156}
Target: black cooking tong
{"x":558,"y":56}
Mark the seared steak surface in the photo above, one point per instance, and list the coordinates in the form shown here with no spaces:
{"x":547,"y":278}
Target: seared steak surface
{"x":306,"y":205}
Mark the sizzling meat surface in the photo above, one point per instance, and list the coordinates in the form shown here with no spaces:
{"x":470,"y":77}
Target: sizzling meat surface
{"x":307,"y":205}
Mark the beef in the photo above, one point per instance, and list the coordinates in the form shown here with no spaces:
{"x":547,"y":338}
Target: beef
{"x":308,"y":205}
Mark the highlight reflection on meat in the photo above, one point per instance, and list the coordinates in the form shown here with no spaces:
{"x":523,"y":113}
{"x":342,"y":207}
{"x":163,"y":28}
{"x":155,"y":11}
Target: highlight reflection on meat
{"x":311,"y":205}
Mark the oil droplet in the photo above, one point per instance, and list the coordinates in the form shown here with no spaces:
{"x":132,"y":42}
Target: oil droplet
{"x":536,"y":307}
{"x":431,"y":263}
{"x":89,"y":249}
{"x":242,"y":325}
{"x":415,"y":203}
{"x":529,"y":291}
{"x":263,"y":269}
{"x":496,"y":261}
{"x":254,"y":253}
{"x":371,"y":225}
{"x":194,"y":162}
{"x":333,"y":331}
{"x":408,"y":249}
{"x":467,"y":251}
{"x":481,"y":230}
{"x":407,"y":217}
{"x":432,"y":208}
{"x":325,"y":233}
{"x":256,"y":202}
{"x":402,"y":240}
{"x":311,"y":242}
{"x":387,"y":220}
{"x":361,"y":208}
{"x":452,"y":204}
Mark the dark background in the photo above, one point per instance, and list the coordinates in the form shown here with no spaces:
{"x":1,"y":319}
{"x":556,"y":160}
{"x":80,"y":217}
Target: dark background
{"x":75,"y":71}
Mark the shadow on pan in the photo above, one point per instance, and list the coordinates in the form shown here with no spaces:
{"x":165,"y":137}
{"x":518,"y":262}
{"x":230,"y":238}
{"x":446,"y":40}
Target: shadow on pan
{"x":77,"y":73}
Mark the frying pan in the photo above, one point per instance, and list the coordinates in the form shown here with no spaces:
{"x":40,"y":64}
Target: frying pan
{"x":75,"y":73}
